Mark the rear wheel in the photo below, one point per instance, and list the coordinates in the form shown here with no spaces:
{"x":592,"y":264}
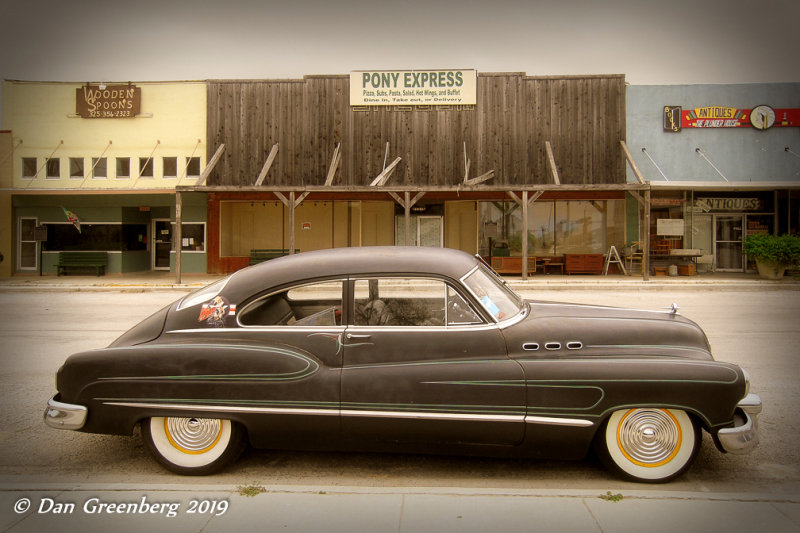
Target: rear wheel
{"x":648,"y":445}
{"x":193,"y":446}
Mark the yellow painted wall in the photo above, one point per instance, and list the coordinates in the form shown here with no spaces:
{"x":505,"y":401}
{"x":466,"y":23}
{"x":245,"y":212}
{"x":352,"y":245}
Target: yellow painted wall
{"x":250,"y":225}
{"x":42,"y":114}
{"x":461,"y":226}
{"x":313,"y":226}
{"x":377,"y":223}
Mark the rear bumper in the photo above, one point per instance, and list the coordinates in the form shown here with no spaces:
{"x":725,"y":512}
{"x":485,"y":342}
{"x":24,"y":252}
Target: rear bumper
{"x":743,"y":436}
{"x":61,"y":415}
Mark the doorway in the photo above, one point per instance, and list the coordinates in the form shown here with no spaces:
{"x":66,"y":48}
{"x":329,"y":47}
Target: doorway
{"x":729,"y":233}
{"x":426,"y":230}
{"x":162,"y":243}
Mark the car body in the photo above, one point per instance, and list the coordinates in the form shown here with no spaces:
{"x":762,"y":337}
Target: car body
{"x":412,"y":349}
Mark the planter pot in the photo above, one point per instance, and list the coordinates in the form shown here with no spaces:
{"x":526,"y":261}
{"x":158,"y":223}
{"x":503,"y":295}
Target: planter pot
{"x":770,"y":270}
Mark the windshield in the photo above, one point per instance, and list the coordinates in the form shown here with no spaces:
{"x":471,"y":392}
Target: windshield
{"x":493,"y":293}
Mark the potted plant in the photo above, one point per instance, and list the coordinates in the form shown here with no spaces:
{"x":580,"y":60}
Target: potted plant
{"x":773,"y":254}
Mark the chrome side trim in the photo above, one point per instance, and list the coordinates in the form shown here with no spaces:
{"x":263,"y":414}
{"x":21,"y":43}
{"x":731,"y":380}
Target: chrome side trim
{"x":417,"y":415}
{"x":61,"y":415}
{"x":228,"y":408}
{"x":474,"y":417}
{"x":552,"y":421}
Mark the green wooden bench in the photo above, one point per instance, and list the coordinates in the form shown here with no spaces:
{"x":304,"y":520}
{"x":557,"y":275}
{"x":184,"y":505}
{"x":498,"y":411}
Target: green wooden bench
{"x":82,"y":260}
{"x":265,"y":254}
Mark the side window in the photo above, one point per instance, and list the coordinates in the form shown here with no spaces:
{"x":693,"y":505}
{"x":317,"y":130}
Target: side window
{"x":459,"y":312}
{"x":315,"y":304}
{"x":409,"y":302}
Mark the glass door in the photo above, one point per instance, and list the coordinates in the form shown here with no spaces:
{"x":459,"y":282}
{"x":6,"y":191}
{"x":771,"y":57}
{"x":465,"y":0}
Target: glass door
{"x":430,"y":231}
{"x":162,"y":243}
{"x":27,"y":251}
{"x":729,"y":234}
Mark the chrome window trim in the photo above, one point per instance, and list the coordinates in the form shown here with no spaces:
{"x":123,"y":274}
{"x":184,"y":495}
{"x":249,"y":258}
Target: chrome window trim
{"x":286,"y":289}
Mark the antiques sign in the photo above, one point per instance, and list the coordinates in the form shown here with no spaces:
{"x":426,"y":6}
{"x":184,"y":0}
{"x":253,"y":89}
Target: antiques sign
{"x":413,"y":87}
{"x":761,"y":117}
{"x":112,"y":101}
{"x":728,"y":204}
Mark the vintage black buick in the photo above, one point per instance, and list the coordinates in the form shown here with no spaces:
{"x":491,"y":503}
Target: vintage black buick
{"x":409,"y":349}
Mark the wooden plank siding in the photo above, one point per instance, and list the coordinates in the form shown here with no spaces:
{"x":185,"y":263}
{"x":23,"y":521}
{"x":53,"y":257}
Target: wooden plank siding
{"x":582,"y":116}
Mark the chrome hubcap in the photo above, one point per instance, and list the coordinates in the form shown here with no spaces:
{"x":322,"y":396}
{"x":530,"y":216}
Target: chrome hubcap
{"x":649,"y":437}
{"x":193,"y":435}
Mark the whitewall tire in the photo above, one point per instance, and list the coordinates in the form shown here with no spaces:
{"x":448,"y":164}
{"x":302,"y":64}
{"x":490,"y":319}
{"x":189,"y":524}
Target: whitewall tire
{"x":193,"y":446}
{"x":649,"y":445}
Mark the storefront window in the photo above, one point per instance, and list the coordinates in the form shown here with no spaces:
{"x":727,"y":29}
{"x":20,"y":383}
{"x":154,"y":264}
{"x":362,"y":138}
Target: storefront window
{"x":193,"y":237}
{"x":499,"y":229}
{"x":96,"y":237}
{"x":554,"y":227}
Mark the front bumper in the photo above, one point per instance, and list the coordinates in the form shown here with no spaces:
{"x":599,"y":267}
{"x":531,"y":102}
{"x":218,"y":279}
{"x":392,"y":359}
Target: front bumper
{"x":743,"y":436}
{"x":61,"y":415}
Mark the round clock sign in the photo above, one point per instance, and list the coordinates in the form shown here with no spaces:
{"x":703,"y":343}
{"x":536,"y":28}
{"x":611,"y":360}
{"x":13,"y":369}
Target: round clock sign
{"x":762,"y":117}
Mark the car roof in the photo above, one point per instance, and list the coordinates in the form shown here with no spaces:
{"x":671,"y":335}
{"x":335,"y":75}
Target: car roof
{"x":338,"y":262}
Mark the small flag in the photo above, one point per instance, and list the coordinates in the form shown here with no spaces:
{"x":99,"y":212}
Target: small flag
{"x":73,"y":218}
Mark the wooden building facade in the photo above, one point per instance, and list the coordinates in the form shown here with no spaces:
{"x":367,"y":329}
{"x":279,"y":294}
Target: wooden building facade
{"x":583,"y":118}
{"x":294,"y":166}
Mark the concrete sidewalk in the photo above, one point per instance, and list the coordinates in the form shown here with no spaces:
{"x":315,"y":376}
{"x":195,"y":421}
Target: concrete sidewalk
{"x":140,"y":281}
{"x":216,"y":508}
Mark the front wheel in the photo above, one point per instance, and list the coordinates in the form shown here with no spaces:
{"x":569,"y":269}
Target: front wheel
{"x":648,"y":445}
{"x":193,"y":446}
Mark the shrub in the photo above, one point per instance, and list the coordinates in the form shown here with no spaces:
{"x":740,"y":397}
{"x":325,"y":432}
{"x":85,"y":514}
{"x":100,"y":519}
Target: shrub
{"x":770,"y":249}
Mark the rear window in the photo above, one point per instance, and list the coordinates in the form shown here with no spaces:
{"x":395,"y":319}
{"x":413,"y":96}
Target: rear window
{"x":203,"y":295}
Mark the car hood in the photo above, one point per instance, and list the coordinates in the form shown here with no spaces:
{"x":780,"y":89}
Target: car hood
{"x":551,"y":328}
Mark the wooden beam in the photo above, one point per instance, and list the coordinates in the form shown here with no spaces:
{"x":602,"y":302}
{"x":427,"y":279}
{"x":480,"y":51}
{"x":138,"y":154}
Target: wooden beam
{"x":638,"y":197}
{"x":514,"y":197}
{"x":480,"y":179}
{"x":551,"y":160}
{"x":292,"y":206}
{"x":210,"y":166}
{"x":631,"y":162}
{"x":524,"y":235}
{"x":385,"y":173}
{"x":646,"y":239}
{"x":334,"y":166}
{"x":267,"y":164}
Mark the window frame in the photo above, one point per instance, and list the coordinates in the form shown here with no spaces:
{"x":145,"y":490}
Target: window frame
{"x":117,"y":174}
{"x":75,"y":160}
{"x":171,"y":159}
{"x":26,"y":161}
{"x":285,"y":289}
{"x":56,"y":162}
{"x":99,"y":162}
{"x":189,"y":161}
{"x":447,"y":284}
{"x":146,"y":164}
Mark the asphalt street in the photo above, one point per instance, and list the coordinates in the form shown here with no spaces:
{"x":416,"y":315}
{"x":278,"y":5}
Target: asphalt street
{"x":753,"y":328}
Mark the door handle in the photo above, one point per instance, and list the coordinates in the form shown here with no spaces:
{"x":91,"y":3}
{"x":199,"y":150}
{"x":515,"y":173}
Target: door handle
{"x":351,"y":336}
